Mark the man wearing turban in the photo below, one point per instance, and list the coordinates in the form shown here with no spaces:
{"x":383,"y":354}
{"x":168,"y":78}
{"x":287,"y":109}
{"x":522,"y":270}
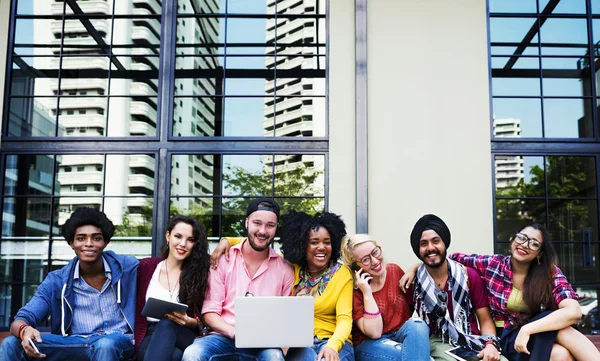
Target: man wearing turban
{"x":448,"y":296}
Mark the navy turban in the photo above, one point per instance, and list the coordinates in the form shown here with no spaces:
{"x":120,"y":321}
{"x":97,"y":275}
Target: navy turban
{"x":425,"y":223}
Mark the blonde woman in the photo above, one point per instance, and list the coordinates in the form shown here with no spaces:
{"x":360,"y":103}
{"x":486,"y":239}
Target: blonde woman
{"x":383,"y":329}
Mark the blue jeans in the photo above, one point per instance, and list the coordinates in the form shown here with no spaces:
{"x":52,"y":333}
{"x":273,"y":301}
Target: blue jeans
{"x":218,"y":347}
{"x":310,"y":353}
{"x":165,"y":341}
{"x":410,"y":342}
{"x":111,"y":347}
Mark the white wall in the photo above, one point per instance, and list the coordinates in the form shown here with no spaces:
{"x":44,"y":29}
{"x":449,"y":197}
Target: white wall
{"x":342,"y":189}
{"x":429,"y":129}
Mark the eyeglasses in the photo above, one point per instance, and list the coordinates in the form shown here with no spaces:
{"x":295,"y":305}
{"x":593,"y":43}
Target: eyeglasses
{"x":440,"y":310}
{"x":531,"y":243}
{"x":375,"y":253}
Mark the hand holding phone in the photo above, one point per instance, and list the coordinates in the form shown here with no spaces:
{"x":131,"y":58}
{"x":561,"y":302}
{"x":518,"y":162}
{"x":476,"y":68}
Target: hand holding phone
{"x":34,"y":346}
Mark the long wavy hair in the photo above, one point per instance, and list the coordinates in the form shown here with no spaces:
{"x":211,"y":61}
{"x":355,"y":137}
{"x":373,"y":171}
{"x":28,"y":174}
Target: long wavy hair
{"x":537,"y":291}
{"x":297,"y":227}
{"x":193,"y":281}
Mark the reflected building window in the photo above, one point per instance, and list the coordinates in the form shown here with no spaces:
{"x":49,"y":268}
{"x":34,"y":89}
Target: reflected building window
{"x":88,"y":79}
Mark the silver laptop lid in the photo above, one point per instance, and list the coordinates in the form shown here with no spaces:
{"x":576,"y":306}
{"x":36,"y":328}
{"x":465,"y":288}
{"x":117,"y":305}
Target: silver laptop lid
{"x":262,"y":322}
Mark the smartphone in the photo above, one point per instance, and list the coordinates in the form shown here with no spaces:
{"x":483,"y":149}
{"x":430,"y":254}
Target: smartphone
{"x":34,"y":346}
{"x":355,"y":267}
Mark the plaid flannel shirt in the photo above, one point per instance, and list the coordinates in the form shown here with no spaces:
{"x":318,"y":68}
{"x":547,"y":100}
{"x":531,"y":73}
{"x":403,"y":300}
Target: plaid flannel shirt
{"x":497,"y":274}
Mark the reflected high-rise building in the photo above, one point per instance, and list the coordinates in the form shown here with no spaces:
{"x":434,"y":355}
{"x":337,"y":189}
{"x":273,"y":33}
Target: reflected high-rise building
{"x":509,"y":169}
{"x":196,"y":115}
{"x":114,"y":105}
{"x":298,"y":107}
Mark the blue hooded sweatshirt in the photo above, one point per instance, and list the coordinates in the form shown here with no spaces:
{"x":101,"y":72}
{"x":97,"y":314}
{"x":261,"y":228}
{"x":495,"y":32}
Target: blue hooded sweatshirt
{"x":55,"y":296}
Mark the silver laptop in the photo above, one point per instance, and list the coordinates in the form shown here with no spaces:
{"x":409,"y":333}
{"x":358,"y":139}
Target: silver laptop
{"x":263,"y":322}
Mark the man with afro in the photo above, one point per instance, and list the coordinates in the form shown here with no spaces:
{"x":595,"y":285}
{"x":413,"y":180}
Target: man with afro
{"x":90,"y":301}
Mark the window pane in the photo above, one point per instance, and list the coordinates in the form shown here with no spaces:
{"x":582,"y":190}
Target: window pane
{"x":247,"y":175}
{"x":565,"y":6}
{"x":80,"y":175}
{"x":298,"y":174}
{"x":513,"y":6}
{"x":513,"y":215}
{"x":246,"y":116}
{"x":26,"y":217}
{"x":234,"y":214}
{"x":568,"y":118}
{"x":28,"y":174}
{"x":129,"y":175}
{"x":201,"y":208}
{"x":510,"y":33}
{"x":519,"y":176}
{"x":564,"y":37}
{"x":571,"y":177}
{"x":97,"y":56}
{"x":568,"y":219}
{"x":195,"y":174}
{"x":517,"y":118}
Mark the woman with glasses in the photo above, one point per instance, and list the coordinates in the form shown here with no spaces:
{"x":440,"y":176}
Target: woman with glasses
{"x":532,"y":300}
{"x":179,"y":275}
{"x":383,"y":329}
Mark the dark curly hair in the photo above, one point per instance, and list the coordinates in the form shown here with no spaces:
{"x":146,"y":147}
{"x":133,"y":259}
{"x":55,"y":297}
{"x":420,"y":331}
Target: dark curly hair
{"x":295,"y":231}
{"x":193,"y":281}
{"x":85,"y":217}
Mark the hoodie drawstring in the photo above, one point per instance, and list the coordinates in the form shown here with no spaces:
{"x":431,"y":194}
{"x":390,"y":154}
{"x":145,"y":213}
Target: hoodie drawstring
{"x":62,"y":310}
{"x":118,"y":291}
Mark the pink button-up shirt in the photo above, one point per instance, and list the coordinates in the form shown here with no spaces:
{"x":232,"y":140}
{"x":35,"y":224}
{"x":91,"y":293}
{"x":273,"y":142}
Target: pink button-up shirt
{"x":274,"y":277}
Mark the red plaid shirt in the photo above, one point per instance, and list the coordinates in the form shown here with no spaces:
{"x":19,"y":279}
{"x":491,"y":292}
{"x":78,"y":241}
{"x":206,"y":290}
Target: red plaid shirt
{"x":497,"y":274}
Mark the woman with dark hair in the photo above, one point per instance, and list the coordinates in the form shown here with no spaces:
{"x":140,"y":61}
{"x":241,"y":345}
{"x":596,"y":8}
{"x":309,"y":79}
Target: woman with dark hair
{"x":179,"y":275}
{"x":531,"y":299}
{"x":313,"y":244}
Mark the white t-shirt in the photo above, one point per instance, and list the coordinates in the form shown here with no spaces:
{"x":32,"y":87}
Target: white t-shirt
{"x":156,"y":290}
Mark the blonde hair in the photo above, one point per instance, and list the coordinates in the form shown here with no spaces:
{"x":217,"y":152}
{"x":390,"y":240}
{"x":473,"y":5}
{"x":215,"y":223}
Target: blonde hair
{"x":348,"y":244}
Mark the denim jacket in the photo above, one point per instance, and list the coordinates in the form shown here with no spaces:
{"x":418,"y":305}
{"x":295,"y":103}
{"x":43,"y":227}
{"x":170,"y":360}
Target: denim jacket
{"x":55,"y":295}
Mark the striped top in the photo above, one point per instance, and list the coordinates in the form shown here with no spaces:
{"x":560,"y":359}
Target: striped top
{"x":96,"y":312}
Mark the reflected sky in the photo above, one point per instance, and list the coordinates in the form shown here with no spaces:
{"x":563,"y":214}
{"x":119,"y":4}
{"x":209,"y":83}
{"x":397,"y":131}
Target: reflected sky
{"x":564,"y":42}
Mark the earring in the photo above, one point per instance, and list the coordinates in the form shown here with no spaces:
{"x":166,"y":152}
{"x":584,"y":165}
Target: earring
{"x":538,"y":260}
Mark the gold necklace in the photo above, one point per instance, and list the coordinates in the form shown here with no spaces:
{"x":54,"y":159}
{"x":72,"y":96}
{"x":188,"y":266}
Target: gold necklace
{"x":169,"y":283}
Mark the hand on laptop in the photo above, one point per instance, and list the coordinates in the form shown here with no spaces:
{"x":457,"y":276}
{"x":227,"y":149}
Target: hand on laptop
{"x":328,"y":354}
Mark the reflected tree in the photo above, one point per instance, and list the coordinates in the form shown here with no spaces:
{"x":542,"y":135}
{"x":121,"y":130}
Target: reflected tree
{"x":565,"y":184}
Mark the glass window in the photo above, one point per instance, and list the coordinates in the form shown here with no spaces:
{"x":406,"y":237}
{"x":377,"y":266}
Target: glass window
{"x":541,"y":73}
{"x":250,"y":76}
{"x":83,"y":70}
{"x":82,"y":73}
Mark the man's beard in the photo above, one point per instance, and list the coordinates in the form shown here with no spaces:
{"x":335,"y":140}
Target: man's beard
{"x":442,"y":256}
{"x":255,"y":246}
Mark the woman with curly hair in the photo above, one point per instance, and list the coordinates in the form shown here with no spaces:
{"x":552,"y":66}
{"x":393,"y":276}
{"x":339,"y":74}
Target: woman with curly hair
{"x":179,"y":275}
{"x":313,"y":244}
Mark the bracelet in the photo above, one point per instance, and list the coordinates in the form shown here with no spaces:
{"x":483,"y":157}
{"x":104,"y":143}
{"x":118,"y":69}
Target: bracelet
{"x":22,"y":329}
{"x":199,"y":323}
{"x":371,"y":314}
{"x":493,"y":343}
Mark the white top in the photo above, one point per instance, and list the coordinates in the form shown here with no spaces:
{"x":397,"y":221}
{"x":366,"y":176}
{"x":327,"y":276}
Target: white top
{"x":156,"y":290}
